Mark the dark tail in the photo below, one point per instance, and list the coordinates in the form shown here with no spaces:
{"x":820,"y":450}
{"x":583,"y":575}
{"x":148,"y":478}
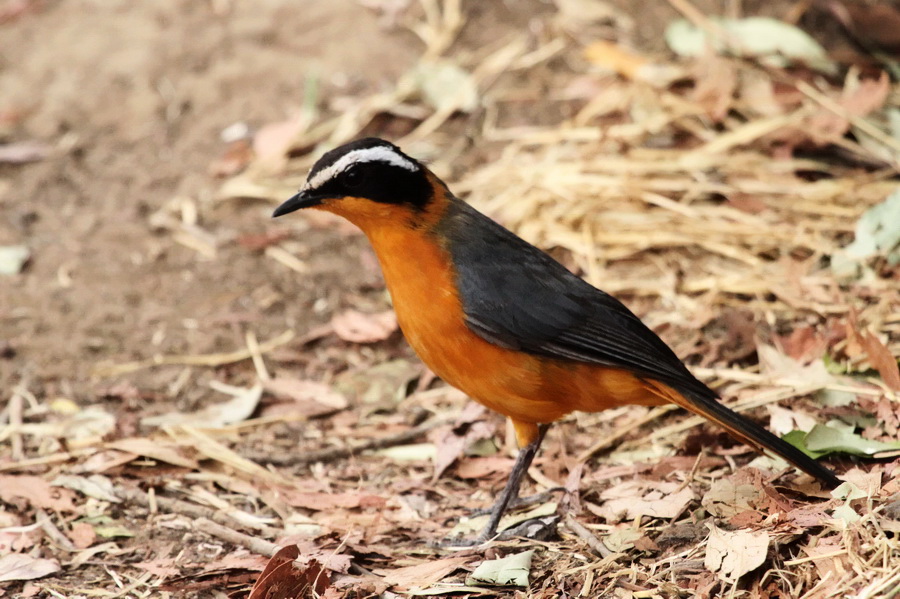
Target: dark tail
{"x":747,"y":431}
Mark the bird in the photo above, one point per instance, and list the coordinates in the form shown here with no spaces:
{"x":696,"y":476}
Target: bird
{"x":499,"y":319}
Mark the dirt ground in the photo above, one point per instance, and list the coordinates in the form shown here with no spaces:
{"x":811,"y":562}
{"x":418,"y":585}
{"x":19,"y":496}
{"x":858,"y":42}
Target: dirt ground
{"x":135,"y":252}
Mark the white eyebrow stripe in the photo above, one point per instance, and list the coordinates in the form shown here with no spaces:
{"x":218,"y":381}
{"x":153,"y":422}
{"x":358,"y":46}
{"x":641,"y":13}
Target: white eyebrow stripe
{"x":376,"y":154}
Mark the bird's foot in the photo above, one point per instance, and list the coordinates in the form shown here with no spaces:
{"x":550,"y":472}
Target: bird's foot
{"x":535,"y":529}
{"x":518,"y":502}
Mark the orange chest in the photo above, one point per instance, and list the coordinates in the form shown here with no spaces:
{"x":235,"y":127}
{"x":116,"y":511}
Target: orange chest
{"x":421,"y":280}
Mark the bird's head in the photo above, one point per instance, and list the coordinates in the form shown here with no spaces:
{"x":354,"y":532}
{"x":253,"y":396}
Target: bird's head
{"x":368,"y":182}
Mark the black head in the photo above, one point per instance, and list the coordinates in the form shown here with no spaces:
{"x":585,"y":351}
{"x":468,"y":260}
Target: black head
{"x":370,"y":168}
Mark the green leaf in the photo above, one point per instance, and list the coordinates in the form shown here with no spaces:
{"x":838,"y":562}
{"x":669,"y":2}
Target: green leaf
{"x":826,"y":439}
{"x":774,"y":42}
{"x":797,"y":438}
{"x":877,"y":232}
{"x":511,"y":570}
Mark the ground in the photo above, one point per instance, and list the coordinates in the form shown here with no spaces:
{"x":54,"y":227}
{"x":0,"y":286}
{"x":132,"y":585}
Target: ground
{"x":182,"y":377}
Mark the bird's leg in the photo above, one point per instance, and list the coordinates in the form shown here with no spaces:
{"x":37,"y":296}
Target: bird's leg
{"x":511,"y":491}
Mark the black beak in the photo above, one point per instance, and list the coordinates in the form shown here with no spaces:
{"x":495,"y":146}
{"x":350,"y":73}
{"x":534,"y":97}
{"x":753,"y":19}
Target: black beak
{"x":302,"y":199}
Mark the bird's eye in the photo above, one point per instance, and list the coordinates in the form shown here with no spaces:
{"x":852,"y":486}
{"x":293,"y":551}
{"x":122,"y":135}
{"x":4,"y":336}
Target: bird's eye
{"x":353,"y":177}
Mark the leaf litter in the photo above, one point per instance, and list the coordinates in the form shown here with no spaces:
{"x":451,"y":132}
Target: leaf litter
{"x":759,"y":180}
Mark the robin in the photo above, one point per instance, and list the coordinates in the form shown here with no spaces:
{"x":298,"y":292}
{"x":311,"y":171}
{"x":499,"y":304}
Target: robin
{"x":501,"y":320}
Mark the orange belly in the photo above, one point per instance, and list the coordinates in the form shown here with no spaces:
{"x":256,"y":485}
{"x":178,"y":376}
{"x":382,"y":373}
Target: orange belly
{"x":528,"y":389}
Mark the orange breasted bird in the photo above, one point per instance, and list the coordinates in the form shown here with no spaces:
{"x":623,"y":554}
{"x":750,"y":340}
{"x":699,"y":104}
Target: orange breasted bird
{"x":501,"y":320}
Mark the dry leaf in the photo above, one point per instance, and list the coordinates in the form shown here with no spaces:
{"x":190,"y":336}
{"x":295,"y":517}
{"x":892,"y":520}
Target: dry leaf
{"x":358,"y":327}
{"x":468,"y":429}
{"x":238,"y":408}
{"x":318,"y":394}
{"x":21,"y":566}
{"x":882,"y":360}
{"x":732,"y":554}
{"x":482,"y":467}
{"x":634,"y":498}
{"x":330,"y":501}
{"x":422,"y":575}
{"x":156,"y":450}
{"x":82,"y":535}
{"x":282,"y":579}
{"x":37,"y":492}
{"x":726,"y":499}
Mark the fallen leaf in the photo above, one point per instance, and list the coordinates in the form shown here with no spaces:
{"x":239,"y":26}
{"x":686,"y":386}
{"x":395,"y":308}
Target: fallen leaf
{"x":257,"y":242}
{"x":23,"y":152}
{"x":726,"y":499}
{"x":876,"y":232}
{"x":511,"y":570}
{"x":634,"y":498}
{"x":21,"y":566}
{"x":156,"y":450}
{"x":468,"y":429}
{"x":324,"y":396}
{"x":273,"y":140}
{"x":482,"y":467}
{"x":446,"y":86}
{"x":330,"y":501}
{"x":824,"y":439}
{"x":282,"y":579}
{"x":416,"y":452}
{"x":357,"y":327}
{"x":238,"y":408}
{"x":871,"y":23}
{"x":774,"y":42}
{"x":13,"y":259}
{"x":37,"y":492}
{"x":628,"y":64}
{"x":422,"y":575}
{"x":237,"y":155}
{"x":82,"y":535}
{"x":96,"y":486}
{"x":881,"y":359}
{"x":732,"y":554}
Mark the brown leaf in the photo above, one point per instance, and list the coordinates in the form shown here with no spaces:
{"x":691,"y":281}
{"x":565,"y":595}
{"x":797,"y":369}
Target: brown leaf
{"x":317,"y":394}
{"x":281,"y":579}
{"x":468,"y":429}
{"x":257,"y":242}
{"x":37,"y":492}
{"x":82,"y":535}
{"x":154,"y":449}
{"x":803,"y":344}
{"x":482,"y":467}
{"x":716,"y":81}
{"x":358,"y":327}
{"x":273,"y":141}
{"x":330,"y":501}
{"x":875,"y":23}
{"x":882,"y":360}
{"x":422,"y":575}
{"x":236,"y":157}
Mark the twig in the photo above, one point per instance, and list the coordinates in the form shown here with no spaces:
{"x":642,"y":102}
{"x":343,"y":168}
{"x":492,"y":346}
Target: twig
{"x":15,"y":423}
{"x":108,"y":370}
{"x":337,"y":453}
{"x":55,"y":534}
{"x":587,"y":536}
{"x":191,"y":510}
{"x":258,"y":546}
